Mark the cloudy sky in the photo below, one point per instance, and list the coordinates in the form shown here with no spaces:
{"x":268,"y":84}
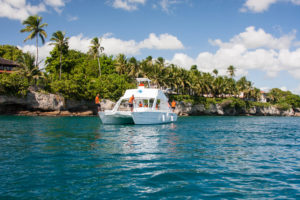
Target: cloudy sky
{"x":259,"y":37}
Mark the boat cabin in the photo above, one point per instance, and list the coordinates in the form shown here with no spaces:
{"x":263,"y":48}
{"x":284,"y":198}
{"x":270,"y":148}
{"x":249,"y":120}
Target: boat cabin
{"x":145,"y":98}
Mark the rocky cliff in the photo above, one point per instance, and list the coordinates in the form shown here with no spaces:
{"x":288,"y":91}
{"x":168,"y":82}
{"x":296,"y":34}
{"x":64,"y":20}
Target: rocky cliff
{"x":36,"y":103}
{"x":186,"y":109}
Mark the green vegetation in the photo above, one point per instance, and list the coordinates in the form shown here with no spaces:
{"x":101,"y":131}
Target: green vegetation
{"x":35,"y":28}
{"x":284,"y":99}
{"x":78,"y":75}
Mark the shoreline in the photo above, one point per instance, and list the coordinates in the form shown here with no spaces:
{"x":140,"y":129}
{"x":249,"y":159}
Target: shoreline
{"x":90,"y":113}
{"x":40,"y":104}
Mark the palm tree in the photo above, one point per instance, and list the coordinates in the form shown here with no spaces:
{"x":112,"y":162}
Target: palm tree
{"x":95,"y":50}
{"x":35,"y":27}
{"x":218,"y":86}
{"x":215,"y":71}
{"x":60,"y":41}
{"x":194,"y":68}
{"x":231,"y":71}
{"x":134,"y":67}
{"x":121,"y":64}
{"x":28,"y":69}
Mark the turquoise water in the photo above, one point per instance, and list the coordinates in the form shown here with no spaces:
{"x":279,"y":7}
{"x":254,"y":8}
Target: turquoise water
{"x":194,"y":158}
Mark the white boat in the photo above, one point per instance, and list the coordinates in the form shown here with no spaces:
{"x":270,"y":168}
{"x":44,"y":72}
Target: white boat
{"x":149,"y":107}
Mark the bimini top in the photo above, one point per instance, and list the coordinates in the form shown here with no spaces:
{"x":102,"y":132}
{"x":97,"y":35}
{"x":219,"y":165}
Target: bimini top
{"x":143,"y":80}
{"x":145,"y":93}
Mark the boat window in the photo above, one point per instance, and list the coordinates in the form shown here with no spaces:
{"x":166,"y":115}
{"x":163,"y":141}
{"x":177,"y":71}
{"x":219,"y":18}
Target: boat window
{"x":157,"y":106}
{"x":124,"y":105}
{"x":146,"y":103}
{"x":151,"y":101}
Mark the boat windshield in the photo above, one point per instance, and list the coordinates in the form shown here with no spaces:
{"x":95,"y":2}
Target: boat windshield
{"x":124,"y":105}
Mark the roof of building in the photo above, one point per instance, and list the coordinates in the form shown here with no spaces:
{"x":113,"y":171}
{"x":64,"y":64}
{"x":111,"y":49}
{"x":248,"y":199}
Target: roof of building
{"x":8,"y":62}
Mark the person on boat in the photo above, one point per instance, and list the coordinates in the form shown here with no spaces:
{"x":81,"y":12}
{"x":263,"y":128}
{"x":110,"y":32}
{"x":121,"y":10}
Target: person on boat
{"x":173,"y":105}
{"x":140,"y":104}
{"x":131,"y":100}
{"x":156,"y":107}
{"x":97,"y":102}
{"x":141,"y":84}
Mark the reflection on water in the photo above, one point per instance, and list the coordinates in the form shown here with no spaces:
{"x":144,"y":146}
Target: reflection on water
{"x":196,"y":157}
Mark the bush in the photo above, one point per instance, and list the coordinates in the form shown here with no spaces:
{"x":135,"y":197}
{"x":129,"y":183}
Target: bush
{"x":233,"y":103}
{"x":283,"y":106}
{"x":13,"y":84}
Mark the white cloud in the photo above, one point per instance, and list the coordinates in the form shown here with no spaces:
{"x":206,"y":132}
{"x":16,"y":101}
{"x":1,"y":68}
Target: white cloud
{"x":283,"y":88}
{"x":71,"y":18}
{"x":252,"y":39}
{"x":21,"y":9}
{"x":166,"y":4}
{"x":265,"y":89}
{"x":56,"y":4}
{"x":164,"y":41}
{"x":80,"y":43}
{"x":258,"y":6}
{"x":43,"y":51}
{"x":128,"y":5}
{"x":131,"y":5}
{"x":251,"y":49}
{"x":114,"y":46}
{"x":296,"y":90}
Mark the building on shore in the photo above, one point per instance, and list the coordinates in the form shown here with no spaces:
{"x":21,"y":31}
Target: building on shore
{"x":7,"y":66}
{"x":264,"y":97}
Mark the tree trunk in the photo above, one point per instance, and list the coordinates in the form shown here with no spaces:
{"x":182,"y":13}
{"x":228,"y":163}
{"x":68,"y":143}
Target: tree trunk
{"x":60,"y":65}
{"x":37,"y":51}
{"x":99,"y":67}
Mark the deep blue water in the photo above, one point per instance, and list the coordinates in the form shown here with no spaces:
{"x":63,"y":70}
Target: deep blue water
{"x":194,"y":158}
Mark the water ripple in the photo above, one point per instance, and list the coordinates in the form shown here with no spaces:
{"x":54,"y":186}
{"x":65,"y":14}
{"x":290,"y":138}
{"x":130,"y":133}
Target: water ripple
{"x":195,"y":158}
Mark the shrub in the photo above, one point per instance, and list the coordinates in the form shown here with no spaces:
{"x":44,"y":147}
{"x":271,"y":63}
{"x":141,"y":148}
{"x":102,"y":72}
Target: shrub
{"x":13,"y":84}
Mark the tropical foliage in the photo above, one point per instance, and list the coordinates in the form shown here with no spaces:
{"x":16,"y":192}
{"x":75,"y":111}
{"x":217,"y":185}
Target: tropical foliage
{"x":61,"y":42}
{"x":78,"y":75}
{"x":35,"y":27}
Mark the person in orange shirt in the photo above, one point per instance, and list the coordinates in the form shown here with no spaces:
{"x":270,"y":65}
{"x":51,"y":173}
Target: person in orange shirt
{"x":173,"y":105}
{"x":131,"y":100}
{"x":97,"y":102}
{"x":140,"y":104}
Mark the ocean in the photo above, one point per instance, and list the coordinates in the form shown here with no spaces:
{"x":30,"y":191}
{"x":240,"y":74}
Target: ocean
{"x":203,"y":157}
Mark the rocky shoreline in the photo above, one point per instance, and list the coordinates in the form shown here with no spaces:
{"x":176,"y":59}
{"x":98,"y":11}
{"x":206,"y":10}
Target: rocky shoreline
{"x":41,"y":104}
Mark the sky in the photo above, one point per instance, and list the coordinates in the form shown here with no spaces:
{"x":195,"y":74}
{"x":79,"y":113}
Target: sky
{"x":260,"y":38}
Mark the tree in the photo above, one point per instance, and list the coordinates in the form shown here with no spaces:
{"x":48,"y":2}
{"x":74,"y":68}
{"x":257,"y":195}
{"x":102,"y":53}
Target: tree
{"x":121,"y":64}
{"x":231,"y":71}
{"x":61,"y":42}
{"x":194,"y":68}
{"x":28,"y":69}
{"x":215,"y":71}
{"x":134,"y":67}
{"x":95,"y":50}
{"x":35,"y":27}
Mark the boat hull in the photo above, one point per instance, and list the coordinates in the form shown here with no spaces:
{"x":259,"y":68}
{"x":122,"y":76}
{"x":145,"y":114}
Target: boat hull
{"x":153,"y":117}
{"x":116,"y":117}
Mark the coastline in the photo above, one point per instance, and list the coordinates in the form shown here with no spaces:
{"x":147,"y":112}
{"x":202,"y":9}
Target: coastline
{"x":40,"y":104}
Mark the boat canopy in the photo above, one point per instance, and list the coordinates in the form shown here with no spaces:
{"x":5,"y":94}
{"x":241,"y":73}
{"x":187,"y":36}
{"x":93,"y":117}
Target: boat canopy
{"x":145,"y":94}
{"x":143,"y":80}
